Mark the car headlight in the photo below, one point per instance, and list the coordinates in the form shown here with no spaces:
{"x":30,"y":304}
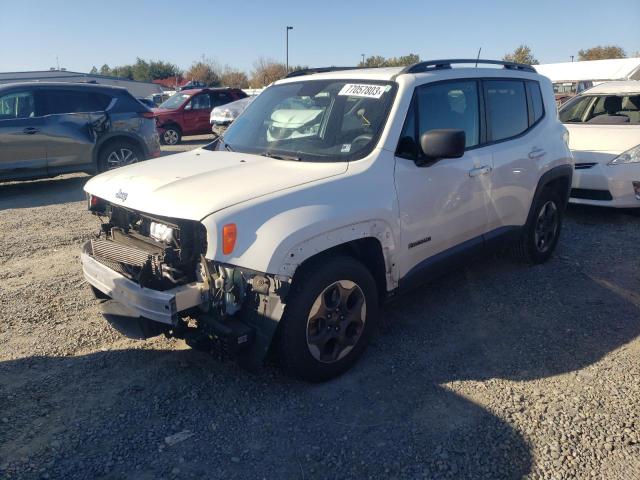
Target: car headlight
{"x":630,"y":156}
{"x":161,"y":232}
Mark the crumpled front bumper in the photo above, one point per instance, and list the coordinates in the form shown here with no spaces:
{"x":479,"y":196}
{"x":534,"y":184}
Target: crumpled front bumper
{"x":160,"y":306}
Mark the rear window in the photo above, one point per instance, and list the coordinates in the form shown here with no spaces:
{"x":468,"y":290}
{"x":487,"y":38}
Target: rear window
{"x":602,"y":110}
{"x":506,"y":104}
{"x":69,"y":101}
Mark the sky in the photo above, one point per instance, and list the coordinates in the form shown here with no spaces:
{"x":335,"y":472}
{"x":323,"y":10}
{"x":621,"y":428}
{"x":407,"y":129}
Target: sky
{"x":82,"y":34}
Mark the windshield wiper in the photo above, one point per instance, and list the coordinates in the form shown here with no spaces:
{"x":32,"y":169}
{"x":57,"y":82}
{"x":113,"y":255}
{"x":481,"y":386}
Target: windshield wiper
{"x":281,"y":157}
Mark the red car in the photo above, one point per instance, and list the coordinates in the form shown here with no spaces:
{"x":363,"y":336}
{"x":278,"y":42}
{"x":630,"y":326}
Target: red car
{"x":187,"y":112}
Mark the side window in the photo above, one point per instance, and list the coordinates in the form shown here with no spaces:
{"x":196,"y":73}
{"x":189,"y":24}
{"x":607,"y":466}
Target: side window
{"x":536,"y":107}
{"x":68,"y":101}
{"x":449,"y":105}
{"x":443,"y":105}
{"x":17,"y":105}
{"x":221,"y":98}
{"x":201,"y":101}
{"x":506,"y":105}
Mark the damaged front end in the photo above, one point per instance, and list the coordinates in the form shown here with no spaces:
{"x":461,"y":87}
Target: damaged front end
{"x":154,"y":278}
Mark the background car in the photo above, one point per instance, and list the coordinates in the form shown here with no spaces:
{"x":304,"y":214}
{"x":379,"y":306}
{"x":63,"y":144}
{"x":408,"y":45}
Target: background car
{"x":47,"y":129}
{"x":221,"y":117}
{"x":187,"y":112}
{"x":604,"y":135}
{"x":158,"y":98}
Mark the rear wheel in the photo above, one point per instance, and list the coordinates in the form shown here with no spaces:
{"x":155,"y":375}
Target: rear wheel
{"x":542,"y":232}
{"x":118,"y":154}
{"x":328,"y":319}
{"x":171,"y":135}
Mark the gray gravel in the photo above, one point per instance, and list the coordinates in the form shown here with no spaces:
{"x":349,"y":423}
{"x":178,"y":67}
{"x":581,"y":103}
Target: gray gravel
{"x":497,"y":371}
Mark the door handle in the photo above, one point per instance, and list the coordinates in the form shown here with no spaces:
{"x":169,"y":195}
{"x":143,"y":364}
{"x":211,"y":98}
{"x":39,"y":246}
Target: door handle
{"x":483,"y":170}
{"x":30,"y":130}
{"x":536,"y":153}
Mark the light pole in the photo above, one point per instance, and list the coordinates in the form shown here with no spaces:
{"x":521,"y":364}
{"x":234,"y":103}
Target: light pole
{"x":571,"y":57}
{"x":288,"y":28}
{"x":362,"y":54}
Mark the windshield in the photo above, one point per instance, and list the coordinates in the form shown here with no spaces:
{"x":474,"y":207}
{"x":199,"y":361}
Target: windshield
{"x":314,"y":120}
{"x":602,"y":109}
{"x":174,"y":101}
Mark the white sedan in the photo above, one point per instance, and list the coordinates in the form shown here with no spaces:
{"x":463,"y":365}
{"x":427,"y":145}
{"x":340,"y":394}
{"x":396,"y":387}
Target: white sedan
{"x":604,"y":129}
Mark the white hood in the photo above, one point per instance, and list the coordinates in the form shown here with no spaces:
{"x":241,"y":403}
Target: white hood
{"x":193,"y":185}
{"x":601,"y":143}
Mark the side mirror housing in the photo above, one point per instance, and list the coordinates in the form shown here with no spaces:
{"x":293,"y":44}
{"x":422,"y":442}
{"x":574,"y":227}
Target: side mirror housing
{"x":442,"y":143}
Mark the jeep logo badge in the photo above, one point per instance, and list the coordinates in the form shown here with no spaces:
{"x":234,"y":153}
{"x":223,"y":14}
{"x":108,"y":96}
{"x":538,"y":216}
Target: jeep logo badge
{"x":122,"y":195}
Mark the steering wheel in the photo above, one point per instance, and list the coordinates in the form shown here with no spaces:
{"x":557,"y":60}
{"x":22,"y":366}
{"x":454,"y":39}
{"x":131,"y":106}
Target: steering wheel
{"x":362,"y":138}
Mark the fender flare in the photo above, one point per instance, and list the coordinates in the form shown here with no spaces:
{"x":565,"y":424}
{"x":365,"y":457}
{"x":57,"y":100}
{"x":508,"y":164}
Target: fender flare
{"x":560,"y":171}
{"x":377,"y":229}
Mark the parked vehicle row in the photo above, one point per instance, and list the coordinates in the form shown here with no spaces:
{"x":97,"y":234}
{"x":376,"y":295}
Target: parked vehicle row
{"x":221,"y":117}
{"x":334,"y":191}
{"x":47,"y":129}
{"x":188,"y":111}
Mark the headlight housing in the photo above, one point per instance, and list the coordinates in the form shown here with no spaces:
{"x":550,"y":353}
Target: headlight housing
{"x":161,"y":232}
{"x":630,"y":156}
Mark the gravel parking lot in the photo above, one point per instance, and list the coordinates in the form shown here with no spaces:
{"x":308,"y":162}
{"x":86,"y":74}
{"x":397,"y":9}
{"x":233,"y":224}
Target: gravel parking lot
{"x":496,"y":371}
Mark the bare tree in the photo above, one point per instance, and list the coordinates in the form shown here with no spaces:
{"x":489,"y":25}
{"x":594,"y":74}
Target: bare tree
{"x":602,"y":52}
{"x":266,"y":71}
{"x":380,"y":61}
{"x":523,"y":55}
{"x":232,"y":77}
{"x":206,"y":71}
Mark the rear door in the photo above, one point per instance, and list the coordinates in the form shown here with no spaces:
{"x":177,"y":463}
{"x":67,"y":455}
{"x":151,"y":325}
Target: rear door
{"x":22,"y":144}
{"x":196,"y":114}
{"x":71,"y":125}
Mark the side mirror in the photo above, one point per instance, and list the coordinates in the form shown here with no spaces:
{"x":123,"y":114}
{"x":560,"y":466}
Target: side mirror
{"x":442,"y":143}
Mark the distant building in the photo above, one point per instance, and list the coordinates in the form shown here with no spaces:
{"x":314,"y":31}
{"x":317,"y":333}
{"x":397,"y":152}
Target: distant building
{"x":137,"y":89}
{"x":171,"y":83}
{"x":596,"y":71}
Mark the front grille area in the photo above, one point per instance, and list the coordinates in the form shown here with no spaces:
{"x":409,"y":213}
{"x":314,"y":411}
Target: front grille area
{"x":589,"y":194}
{"x":585,"y":165}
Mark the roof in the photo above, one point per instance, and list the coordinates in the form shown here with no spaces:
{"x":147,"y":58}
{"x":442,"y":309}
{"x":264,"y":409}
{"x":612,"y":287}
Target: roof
{"x":171,"y":82}
{"x":37,"y":85}
{"x":598,"y":70}
{"x":37,"y":74}
{"x":630,"y":86}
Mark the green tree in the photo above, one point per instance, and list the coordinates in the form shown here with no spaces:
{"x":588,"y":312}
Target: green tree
{"x":105,"y":70}
{"x":522,"y":54}
{"x":159,"y":69}
{"x":93,"y":70}
{"x":601,"y":52}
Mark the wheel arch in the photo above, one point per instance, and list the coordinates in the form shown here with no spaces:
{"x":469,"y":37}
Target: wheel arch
{"x":557,"y":178}
{"x":108,"y":140}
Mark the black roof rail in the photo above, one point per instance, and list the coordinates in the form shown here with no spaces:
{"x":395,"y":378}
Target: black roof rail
{"x":310,"y":71}
{"x":446,"y":64}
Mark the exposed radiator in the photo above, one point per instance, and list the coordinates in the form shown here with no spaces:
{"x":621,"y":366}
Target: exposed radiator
{"x":115,"y":252}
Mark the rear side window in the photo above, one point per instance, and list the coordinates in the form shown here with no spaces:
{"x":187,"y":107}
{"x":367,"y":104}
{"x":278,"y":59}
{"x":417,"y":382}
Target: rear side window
{"x":68,"y":101}
{"x":17,"y":105}
{"x":221,"y":98}
{"x":506,"y":103}
{"x":536,"y":108}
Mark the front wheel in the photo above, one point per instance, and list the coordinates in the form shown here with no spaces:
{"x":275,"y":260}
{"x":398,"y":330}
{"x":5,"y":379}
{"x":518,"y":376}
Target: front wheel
{"x":328,"y":319}
{"x":541,"y":234}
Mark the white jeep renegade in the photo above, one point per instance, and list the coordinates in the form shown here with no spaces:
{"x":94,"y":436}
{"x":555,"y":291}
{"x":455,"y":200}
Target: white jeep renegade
{"x":335,"y":190}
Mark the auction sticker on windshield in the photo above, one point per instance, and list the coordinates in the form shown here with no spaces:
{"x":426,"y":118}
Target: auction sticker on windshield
{"x":368,"y":91}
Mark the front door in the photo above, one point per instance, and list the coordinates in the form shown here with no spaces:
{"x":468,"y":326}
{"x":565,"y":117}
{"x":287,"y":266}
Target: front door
{"x":443,"y":205}
{"x":196,"y":115}
{"x":22,"y":144}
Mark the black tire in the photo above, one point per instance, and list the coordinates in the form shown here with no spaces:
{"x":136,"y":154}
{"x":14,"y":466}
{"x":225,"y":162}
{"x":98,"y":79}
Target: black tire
{"x":172,"y":135}
{"x":119,"y":149}
{"x":539,"y":241}
{"x":293,"y":343}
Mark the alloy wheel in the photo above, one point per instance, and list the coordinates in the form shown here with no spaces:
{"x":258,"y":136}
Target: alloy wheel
{"x":336,"y":321}
{"x":121,"y":157}
{"x":170,"y":137}
{"x":546,"y":227}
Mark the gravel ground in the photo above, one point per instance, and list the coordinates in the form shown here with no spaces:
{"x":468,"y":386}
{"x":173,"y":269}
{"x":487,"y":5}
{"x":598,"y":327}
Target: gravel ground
{"x":496,"y":371}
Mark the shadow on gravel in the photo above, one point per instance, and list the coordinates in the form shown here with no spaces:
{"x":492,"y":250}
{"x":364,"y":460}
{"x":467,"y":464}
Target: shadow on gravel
{"x":40,"y":193}
{"x":107,"y":414}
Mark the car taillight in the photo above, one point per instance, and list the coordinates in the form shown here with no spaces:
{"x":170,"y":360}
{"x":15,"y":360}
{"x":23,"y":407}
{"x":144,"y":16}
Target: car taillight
{"x":96,"y":204}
